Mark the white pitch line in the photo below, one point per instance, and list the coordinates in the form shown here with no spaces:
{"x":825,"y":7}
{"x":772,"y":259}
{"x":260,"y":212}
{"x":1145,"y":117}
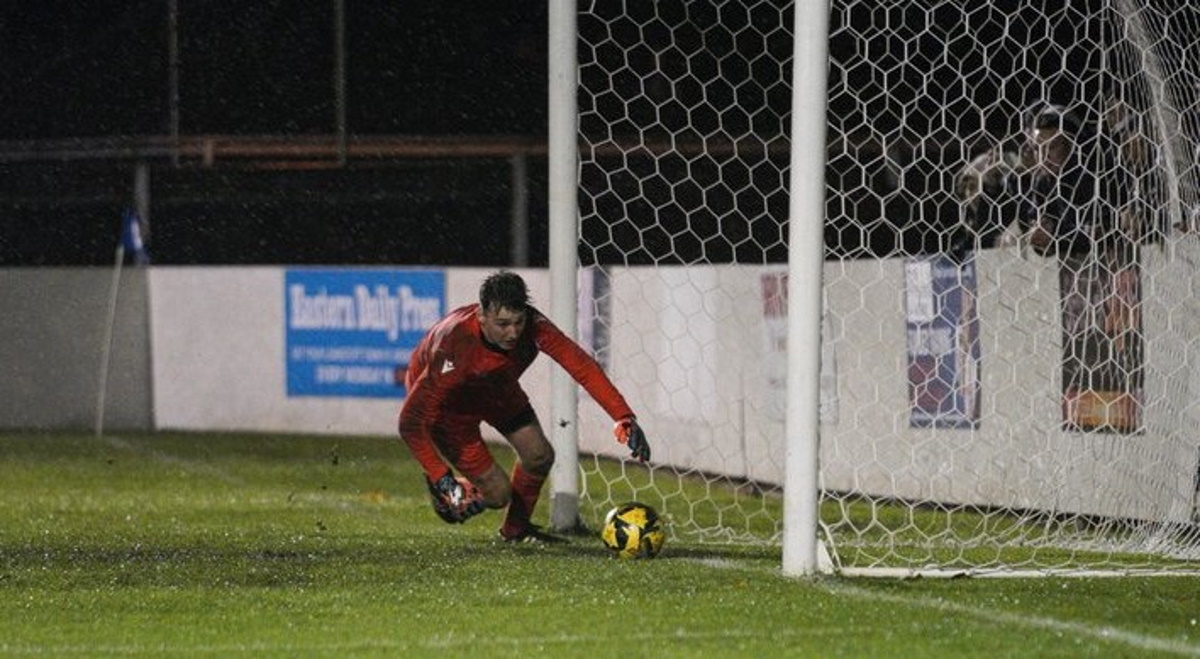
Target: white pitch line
{"x":1109,"y":634}
{"x":1133,"y":639}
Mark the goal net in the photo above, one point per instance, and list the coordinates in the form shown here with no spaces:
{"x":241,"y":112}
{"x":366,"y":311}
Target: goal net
{"x":1010,"y":370}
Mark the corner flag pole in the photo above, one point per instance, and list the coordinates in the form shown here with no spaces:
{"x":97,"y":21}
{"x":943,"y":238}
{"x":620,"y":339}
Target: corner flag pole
{"x":131,"y":241}
{"x":114,"y":290}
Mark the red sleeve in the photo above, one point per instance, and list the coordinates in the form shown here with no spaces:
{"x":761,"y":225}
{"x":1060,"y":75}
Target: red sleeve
{"x":576,"y":361}
{"x":422,"y":405}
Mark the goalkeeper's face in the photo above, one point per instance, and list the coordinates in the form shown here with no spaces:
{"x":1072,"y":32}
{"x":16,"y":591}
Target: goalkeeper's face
{"x":502,"y":326}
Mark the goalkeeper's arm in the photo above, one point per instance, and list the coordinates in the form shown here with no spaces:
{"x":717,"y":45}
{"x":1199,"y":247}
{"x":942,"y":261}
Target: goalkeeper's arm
{"x":421,"y":445}
{"x":418,"y":414}
{"x":427,"y":456}
{"x":587,"y":372}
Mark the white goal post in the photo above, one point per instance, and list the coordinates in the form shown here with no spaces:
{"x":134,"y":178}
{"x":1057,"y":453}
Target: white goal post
{"x":991,"y":366}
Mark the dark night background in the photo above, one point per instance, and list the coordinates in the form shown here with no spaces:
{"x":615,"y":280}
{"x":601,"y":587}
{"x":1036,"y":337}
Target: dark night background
{"x":97,"y":69}
{"x":90,"y":68}
{"x":914,"y":93}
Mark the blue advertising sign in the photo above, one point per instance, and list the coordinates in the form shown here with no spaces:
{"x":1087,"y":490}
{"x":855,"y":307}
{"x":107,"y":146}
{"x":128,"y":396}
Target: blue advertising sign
{"x":943,"y":342}
{"x":352,"y":332}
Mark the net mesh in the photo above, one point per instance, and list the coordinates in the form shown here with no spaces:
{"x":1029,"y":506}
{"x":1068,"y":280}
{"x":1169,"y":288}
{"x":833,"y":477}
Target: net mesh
{"x":1010,"y":276}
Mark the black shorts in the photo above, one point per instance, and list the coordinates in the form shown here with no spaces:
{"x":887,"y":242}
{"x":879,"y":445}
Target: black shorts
{"x":523,"y":418}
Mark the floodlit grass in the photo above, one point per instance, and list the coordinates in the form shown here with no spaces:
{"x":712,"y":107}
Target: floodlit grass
{"x":222,"y":545}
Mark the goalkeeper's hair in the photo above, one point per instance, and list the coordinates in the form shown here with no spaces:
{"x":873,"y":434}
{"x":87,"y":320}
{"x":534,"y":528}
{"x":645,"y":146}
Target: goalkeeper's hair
{"x":504,"y":290}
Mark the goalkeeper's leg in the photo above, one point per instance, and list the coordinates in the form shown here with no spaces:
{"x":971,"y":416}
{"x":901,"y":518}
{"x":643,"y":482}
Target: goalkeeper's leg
{"x":459,"y":441}
{"x":535,"y":456}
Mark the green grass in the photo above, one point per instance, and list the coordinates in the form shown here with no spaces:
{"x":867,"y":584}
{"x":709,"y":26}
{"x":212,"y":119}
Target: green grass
{"x":265,"y":546}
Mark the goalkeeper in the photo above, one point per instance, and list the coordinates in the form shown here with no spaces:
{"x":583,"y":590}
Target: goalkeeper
{"x":465,"y":371}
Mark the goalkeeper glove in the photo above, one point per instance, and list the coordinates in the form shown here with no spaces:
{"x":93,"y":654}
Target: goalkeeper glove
{"x":628,"y":432}
{"x":452,"y":502}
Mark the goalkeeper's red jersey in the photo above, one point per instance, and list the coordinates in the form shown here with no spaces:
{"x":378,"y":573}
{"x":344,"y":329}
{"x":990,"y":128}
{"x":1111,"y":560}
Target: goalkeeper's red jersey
{"x":454,"y":373}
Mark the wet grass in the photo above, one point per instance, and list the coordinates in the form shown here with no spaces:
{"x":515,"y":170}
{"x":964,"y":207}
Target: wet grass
{"x":269,"y":546}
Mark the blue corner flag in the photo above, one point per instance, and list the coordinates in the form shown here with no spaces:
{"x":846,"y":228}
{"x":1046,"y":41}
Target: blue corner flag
{"x":131,"y":238}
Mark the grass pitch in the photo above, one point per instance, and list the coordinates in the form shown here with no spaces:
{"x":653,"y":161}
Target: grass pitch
{"x":268,"y":546}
